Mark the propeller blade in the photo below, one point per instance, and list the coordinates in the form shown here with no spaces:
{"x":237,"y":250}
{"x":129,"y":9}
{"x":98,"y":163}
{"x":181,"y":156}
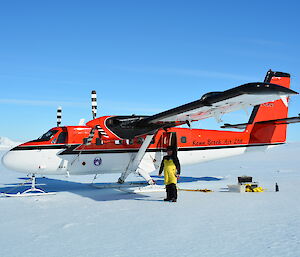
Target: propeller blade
{"x":58,"y":116}
{"x":94,"y":104}
{"x":90,"y":137}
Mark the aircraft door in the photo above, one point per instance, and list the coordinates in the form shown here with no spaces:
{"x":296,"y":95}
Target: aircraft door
{"x":167,"y":139}
{"x":170,"y":140}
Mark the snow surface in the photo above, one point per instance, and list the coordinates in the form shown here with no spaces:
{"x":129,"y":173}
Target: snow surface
{"x":83,"y":221}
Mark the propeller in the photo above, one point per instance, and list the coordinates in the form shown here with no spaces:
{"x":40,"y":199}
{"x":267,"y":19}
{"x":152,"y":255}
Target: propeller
{"x":58,"y":116}
{"x":89,"y":139}
{"x":97,"y":128}
{"x":94,"y":104}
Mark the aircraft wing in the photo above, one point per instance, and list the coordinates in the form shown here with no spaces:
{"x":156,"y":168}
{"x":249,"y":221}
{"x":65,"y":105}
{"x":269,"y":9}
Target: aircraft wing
{"x":215,"y":104}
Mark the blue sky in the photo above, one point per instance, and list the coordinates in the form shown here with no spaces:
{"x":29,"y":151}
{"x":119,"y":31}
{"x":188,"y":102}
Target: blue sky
{"x":142,"y":56}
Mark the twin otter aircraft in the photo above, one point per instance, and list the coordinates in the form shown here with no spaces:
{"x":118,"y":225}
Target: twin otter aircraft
{"x":126,"y":144}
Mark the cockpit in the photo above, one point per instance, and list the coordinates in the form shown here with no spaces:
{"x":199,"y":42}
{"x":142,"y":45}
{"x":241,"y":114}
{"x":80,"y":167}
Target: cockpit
{"x":53,"y":136}
{"x":47,"y":136}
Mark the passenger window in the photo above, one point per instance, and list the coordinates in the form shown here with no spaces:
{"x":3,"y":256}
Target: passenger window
{"x":62,"y":138}
{"x":183,"y":140}
{"x":117,"y":142}
{"x":152,"y":141}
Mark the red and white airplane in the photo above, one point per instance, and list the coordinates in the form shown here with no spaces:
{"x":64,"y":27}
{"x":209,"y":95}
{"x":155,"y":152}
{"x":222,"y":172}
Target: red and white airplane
{"x":126,"y":144}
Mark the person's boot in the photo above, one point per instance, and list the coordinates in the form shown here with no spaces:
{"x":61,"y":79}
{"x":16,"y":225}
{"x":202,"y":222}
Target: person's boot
{"x":168,"y":194}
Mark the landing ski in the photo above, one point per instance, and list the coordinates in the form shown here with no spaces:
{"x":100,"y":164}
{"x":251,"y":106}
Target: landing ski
{"x":27,"y":194}
{"x":118,"y":185}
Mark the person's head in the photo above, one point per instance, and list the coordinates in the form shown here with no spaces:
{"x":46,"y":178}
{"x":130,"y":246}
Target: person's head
{"x":169,"y":151}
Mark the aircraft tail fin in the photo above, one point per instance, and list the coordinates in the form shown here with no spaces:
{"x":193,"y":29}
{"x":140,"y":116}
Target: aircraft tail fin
{"x":270,"y":132}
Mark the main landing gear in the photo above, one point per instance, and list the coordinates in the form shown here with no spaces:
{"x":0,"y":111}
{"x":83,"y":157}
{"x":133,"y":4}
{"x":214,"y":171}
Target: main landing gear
{"x":134,"y":164}
{"x":32,"y":191}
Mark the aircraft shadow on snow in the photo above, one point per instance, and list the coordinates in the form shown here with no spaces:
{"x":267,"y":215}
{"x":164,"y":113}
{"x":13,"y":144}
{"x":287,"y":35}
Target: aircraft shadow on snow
{"x":160,"y":180}
{"x":87,"y":190}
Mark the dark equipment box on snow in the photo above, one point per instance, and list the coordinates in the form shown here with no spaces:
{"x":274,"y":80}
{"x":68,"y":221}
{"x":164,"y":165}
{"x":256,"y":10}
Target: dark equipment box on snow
{"x":244,"y":179}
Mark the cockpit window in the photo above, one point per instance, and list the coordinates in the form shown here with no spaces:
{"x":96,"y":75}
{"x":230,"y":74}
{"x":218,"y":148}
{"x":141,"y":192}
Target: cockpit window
{"x":47,"y":136}
{"x":62,"y":138}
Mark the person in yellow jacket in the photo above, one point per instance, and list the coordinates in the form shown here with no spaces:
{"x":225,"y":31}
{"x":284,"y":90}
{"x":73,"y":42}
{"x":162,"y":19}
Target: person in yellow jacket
{"x":171,"y":167}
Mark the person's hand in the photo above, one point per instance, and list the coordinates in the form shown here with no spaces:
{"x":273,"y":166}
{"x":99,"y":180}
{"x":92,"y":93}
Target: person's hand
{"x":159,"y":174}
{"x":178,"y":176}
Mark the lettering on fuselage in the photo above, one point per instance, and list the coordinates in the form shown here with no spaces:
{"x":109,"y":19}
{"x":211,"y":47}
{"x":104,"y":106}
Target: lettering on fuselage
{"x":199,"y":142}
{"x":233,"y":141}
{"x":213,"y":142}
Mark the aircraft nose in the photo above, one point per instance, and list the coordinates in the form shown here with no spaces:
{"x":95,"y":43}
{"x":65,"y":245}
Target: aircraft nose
{"x":8,"y":160}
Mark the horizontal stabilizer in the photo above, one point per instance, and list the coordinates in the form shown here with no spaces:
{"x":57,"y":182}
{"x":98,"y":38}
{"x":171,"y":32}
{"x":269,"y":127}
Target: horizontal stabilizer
{"x":236,"y":126}
{"x":282,"y":121}
{"x":273,"y":122}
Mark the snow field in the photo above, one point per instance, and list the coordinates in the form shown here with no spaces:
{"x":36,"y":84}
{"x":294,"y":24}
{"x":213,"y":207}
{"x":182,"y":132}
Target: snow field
{"x":83,"y":221}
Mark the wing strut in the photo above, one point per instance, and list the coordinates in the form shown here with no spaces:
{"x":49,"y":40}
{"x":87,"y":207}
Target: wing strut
{"x":134,"y":163}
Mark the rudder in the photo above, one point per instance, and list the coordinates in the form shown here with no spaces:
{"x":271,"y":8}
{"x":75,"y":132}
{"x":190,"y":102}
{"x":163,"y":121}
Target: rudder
{"x":270,"y":133}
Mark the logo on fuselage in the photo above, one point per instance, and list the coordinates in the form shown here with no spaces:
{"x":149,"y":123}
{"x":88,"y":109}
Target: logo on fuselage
{"x":97,"y":161}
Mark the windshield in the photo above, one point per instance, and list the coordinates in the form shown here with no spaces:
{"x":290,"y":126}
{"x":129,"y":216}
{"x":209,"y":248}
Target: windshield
{"x":47,"y":136}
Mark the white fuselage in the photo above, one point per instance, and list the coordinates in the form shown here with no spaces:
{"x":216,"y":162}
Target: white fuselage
{"x":50,"y":162}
